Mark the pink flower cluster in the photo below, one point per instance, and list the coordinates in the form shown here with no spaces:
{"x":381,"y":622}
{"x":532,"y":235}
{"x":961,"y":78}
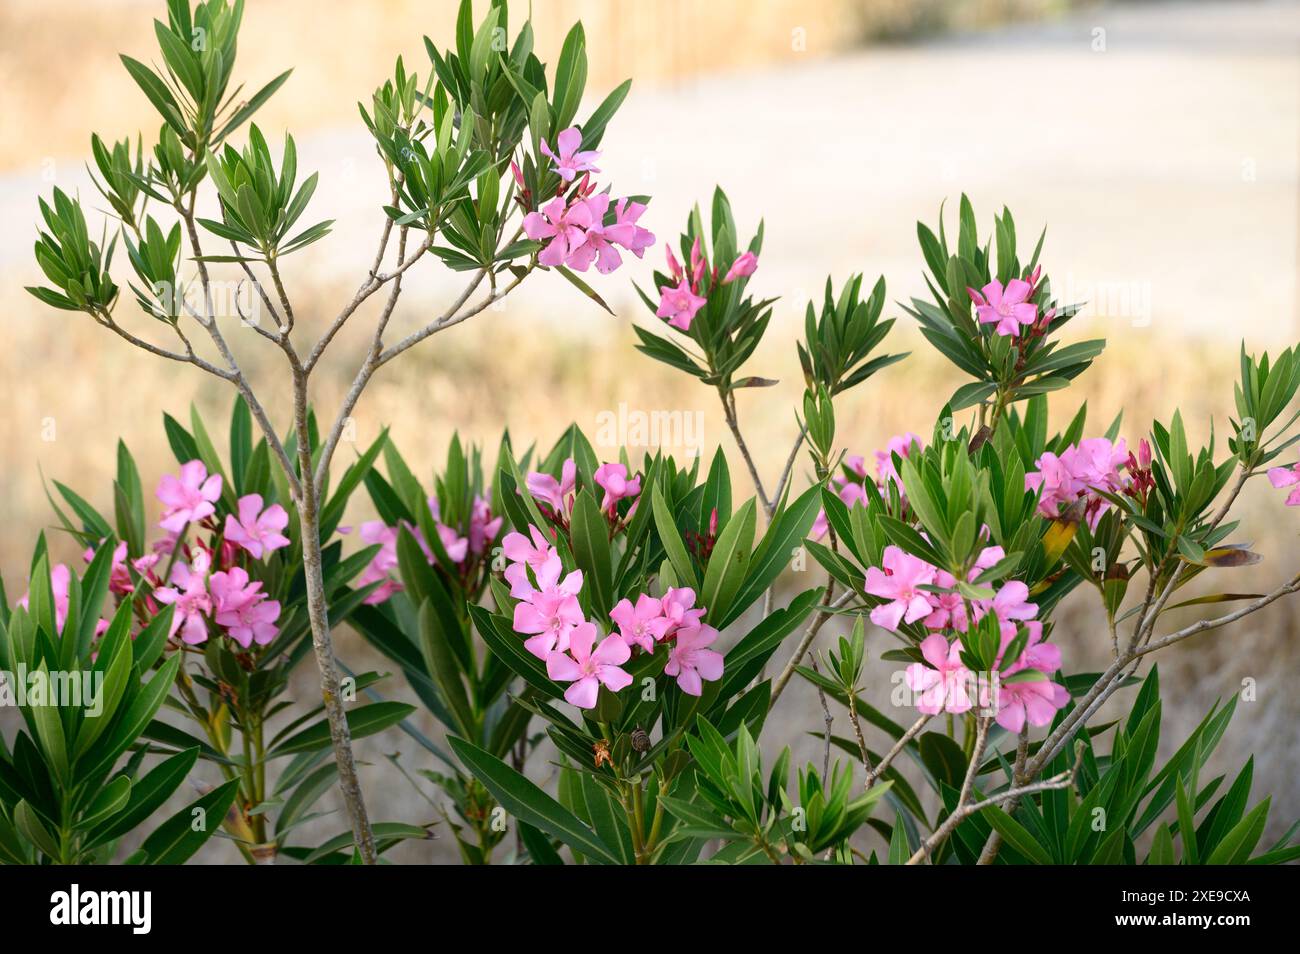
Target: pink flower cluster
{"x":678,"y":304}
{"x":558,"y":495}
{"x":575,"y":229}
{"x":549,"y":614}
{"x":1078,"y":473}
{"x":460,"y":549}
{"x":945,"y":685}
{"x":228,"y":597}
{"x":850,"y":487}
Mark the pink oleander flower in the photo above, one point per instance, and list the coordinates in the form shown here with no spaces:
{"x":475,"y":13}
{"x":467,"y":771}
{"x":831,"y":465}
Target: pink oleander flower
{"x":189,"y":498}
{"x":519,"y":549}
{"x":742,"y":267}
{"x":549,"y":614}
{"x":1287,"y":477}
{"x":691,"y":661}
{"x":374,"y":532}
{"x":571,"y":160}
{"x":564,"y":225}
{"x":453,"y":544}
{"x":241,"y":607}
{"x":679,"y":305}
{"x":1034,"y":702}
{"x":1096,"y":461}
{"x":901,"y":445}
{"x":60,"y":582}
{"x":456,"y":546}
{"x":1045,"y":657}
{"x":989,"y":557}
{"x":589,"y":669}
{"x":1080,"y":470}
{"x":899,"y":582}
{"x":538,"y":556}
{"x":557,"y":494}
{"x":625,"y":230}
{"x":1037,"y":701}
{"x":949,"y":606}
{"x":189,"y":594}
{"x":680,"y":609}
{"x":255,"y":529}
{"x":601,"y":241}
{"x":1010,"y":603}
{"x":528,"y":579}
{"x":642,"y":625}
{"x":598,"y":244}
{"x":1058,"y":483}
{"x":1008,"y":307}
{"x":613,"y":479}
{"x":483,"y":527}
{"x":944,"y":685}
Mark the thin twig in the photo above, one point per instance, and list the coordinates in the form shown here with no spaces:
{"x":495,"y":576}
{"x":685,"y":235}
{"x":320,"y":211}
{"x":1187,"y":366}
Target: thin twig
{"x":805,"y":641}
{"x":857,"y":733}
{"x":1113,"y":677}
{"x":906,"y":737}
{"x":236,"y":374}
{"x":959,"y":815}
{"x":374,"y":283}
{"x":994,"y":842}
{"x":789,"y":467}
{"x":729,"y":413}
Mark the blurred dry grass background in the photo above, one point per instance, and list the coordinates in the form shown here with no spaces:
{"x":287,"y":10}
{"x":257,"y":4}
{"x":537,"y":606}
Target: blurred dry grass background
{"x":1165,"y":165}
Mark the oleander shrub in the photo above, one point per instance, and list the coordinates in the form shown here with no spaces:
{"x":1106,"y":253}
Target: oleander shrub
{"x":602,"y":638}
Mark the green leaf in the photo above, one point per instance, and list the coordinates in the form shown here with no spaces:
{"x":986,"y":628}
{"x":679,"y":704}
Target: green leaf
{"x":583,"y":287}
{"x":775,"y":551}
{"x":1238,"y":843}
{"x":362,"y":721}
{"x":671,"y":538}
{"x":49,"y":729}
{"x":158,"y":94}
{"x":530,"y":804}
{"x":591,"y":552}
{"x":110,"y":800}
{"x":179,"y":837}
{"x":729,"y":561}
{"x":442,"y":667}
{"x":29,"y":823}
{"x":1016,"y":835}
{"x":383,"y":831}
{"x":132,"y":722}
{"x":147,"y":796}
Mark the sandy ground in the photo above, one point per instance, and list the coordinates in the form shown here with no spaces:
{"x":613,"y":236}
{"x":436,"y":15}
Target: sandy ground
{"x":1158,"y":143}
